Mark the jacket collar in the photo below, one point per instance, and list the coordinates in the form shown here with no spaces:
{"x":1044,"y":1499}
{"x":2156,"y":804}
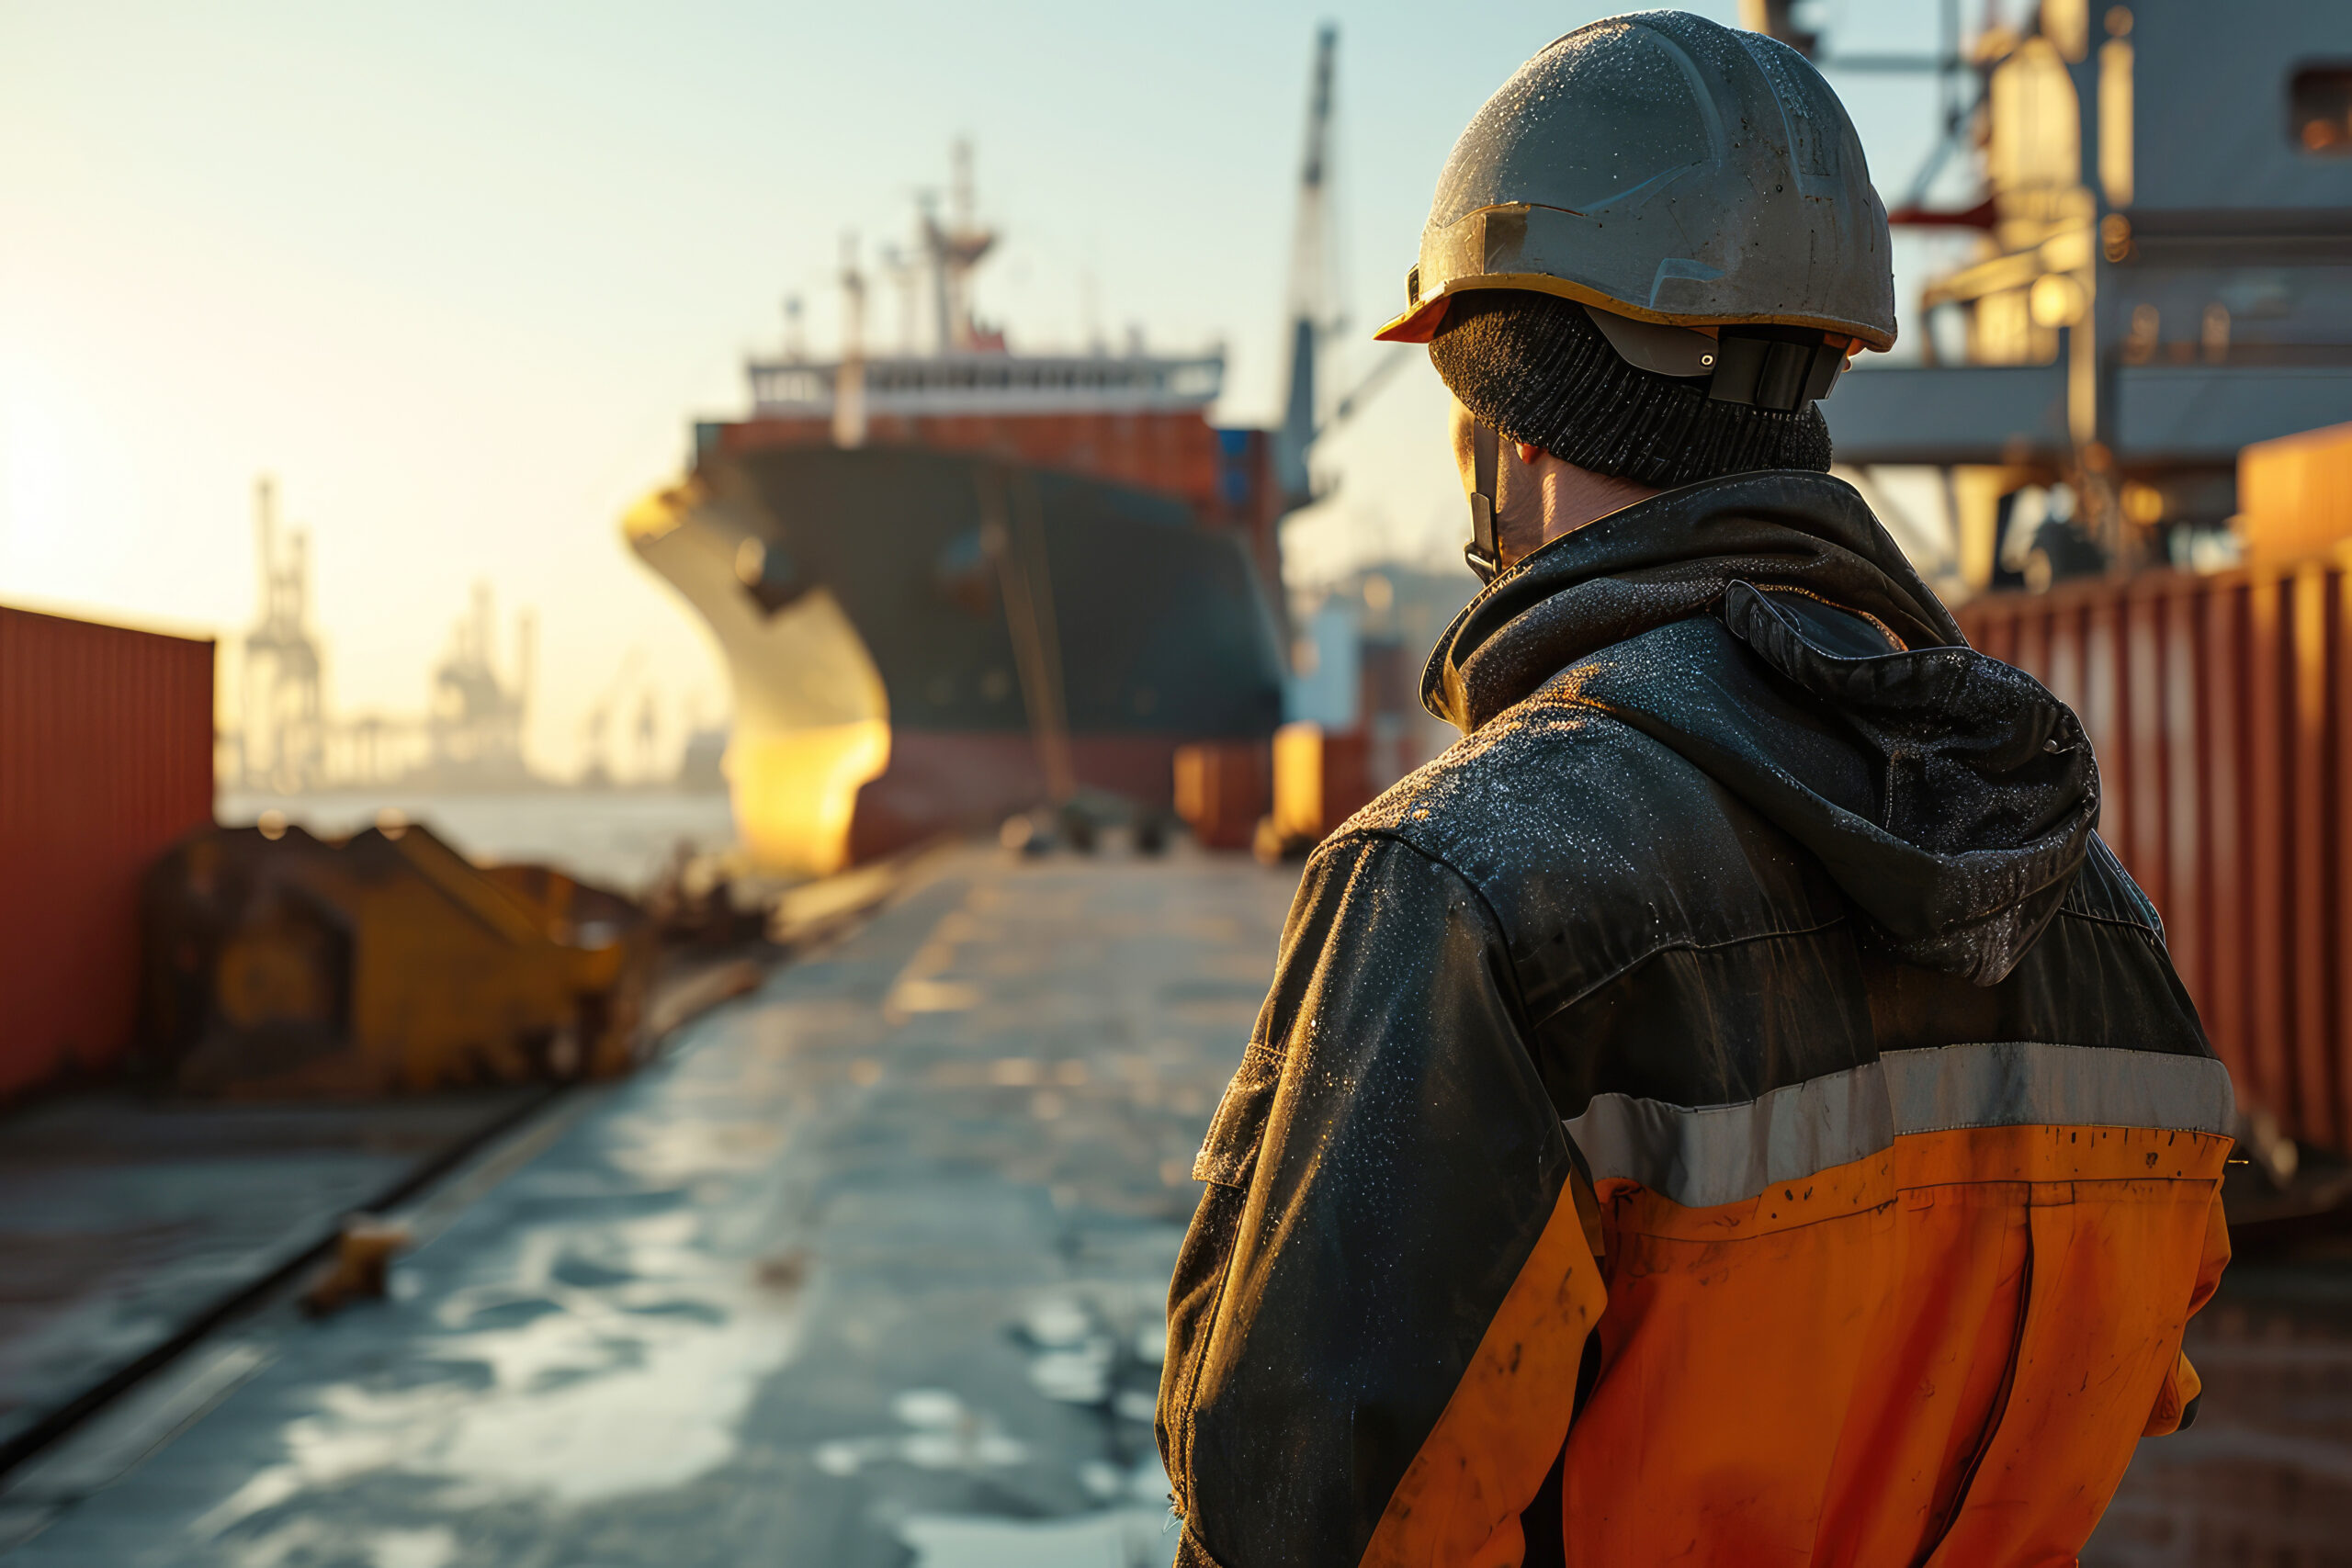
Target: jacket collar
{"x":1950,"y":796}
{"x":1665,"y":559}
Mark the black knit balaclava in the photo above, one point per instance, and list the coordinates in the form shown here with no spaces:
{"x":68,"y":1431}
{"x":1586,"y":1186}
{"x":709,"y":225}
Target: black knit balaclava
{"x":1537,"y":369}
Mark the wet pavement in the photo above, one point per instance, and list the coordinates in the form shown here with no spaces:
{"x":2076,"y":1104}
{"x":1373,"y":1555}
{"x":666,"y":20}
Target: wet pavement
{"x":870,"y":1270}
{"x":125,"y":1222}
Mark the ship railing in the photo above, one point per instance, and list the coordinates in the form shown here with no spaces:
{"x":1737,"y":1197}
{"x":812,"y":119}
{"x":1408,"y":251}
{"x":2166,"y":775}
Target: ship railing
{"x":968,"y":382}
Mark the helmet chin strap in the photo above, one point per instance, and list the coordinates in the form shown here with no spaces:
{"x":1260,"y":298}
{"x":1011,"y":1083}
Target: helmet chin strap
{"x":1484,"y":551}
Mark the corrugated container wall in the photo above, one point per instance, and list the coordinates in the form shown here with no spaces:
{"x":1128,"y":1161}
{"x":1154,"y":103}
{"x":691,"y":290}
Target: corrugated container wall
{"x":2220,"y":708}
{"x":105,"y":758}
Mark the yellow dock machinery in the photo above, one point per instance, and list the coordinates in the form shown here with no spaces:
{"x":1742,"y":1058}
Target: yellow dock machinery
{"x":384,"y":963}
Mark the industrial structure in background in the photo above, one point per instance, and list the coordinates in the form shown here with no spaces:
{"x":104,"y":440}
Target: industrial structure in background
{"x":956,"y":584}
{"x":474,"y":727}
{"x":2162,"y":275}
{"x":468,"y":738}
{"x":281,"y":735}
{"x":284,"y":965}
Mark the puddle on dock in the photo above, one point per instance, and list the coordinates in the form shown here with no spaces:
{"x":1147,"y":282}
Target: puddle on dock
{"x":1127,"y":1538}
{"x":610,"y":1361}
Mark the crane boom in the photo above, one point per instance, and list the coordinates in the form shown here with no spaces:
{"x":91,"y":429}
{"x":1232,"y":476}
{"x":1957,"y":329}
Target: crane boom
{"x":1310,"y":276}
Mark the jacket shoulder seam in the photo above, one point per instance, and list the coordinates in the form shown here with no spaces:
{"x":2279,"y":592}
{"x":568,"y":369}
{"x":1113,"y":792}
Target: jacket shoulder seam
{"x":2124,"y":922}
{"x":1690,"y":944}
{"x":1495,"y":917}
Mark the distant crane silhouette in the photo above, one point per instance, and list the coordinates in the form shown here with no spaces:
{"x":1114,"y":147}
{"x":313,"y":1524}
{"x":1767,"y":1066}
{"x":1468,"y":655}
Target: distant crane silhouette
{"x":281,"y":740}
{"x":593,"y":729}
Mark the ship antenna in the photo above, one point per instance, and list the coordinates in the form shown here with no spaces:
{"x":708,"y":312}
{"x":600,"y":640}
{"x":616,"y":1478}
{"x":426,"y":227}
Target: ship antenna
{"x":1309,"y":278}
{"x":849,"y":378}
{"x":934,"y":245}
{"x":960,"y":162}
{"x":1089,"y":310}
{"x":904,"y":271}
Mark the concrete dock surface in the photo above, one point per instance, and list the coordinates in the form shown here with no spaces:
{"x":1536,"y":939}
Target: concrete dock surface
{"x":870,"y":1269}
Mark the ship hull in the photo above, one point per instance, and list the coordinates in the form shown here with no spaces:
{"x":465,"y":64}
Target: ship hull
{"x":923,"y":642}
{"x":940,"y":781}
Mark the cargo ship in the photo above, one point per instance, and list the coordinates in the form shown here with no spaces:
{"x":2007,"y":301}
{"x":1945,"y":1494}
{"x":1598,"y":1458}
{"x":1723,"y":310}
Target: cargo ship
{"x":957,"y":584}
{"x":1034,"y":576}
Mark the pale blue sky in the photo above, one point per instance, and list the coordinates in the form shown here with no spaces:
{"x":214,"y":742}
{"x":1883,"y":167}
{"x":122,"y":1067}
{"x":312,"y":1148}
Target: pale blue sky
{"x":460,"y":274}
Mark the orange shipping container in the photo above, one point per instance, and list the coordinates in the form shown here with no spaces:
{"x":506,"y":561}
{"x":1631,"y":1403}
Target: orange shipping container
{"x":2295,"y":495}
{"x":105,"y":758}
{"x":1321,"y":779}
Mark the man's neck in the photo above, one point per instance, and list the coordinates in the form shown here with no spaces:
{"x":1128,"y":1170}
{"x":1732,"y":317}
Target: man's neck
{"x":1565,"y":498}
{"x":1574,"y":497}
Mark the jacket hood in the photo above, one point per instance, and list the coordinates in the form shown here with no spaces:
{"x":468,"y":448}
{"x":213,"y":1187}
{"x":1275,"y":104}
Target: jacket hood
{"x":1950,"y":796}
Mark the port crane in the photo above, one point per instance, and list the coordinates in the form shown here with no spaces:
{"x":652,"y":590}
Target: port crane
{"x":281,"y":740}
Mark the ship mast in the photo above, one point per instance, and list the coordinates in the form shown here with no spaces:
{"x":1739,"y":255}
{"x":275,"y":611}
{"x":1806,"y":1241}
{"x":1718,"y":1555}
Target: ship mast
{"x":1309,"y":279}
{"x":955,"y":248}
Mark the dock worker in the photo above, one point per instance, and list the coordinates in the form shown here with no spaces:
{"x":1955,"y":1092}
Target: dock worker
{"x":1731,"y":1107}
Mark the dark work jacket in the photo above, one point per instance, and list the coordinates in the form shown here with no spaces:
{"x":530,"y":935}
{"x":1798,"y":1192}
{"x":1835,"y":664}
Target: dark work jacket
{"x":1729,"y":1107}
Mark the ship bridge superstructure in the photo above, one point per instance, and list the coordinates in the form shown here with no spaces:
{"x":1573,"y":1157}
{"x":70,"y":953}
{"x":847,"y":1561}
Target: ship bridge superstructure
{"x":2162,"y":275}
{"x":1127,"y":416}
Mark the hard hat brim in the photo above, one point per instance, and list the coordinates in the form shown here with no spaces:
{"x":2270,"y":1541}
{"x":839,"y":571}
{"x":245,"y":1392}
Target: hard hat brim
{"x":1417,"y":324}
{"x":1420,"y":321}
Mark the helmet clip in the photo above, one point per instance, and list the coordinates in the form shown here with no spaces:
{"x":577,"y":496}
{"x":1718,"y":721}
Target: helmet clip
{"x":1775,"y":367}
{"x":1484,"y":552}
{"x":1764,"y":367}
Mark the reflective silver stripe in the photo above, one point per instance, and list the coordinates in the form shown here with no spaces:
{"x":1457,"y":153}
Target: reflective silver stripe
{"x":1726,"y":1153}
{"x":2030,"y":1083}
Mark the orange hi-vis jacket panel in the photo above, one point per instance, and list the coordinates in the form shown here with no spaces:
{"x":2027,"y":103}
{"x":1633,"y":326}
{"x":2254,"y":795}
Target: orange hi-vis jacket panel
{"x":1922,"y":1337}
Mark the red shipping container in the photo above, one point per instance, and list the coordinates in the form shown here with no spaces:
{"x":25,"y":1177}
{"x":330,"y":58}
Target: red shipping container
{"x":105,"y":758}
{"x":1221,"y":790}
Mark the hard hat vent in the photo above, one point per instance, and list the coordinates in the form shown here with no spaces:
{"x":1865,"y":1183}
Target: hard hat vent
{"x":1798,"y":89}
